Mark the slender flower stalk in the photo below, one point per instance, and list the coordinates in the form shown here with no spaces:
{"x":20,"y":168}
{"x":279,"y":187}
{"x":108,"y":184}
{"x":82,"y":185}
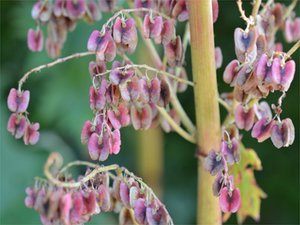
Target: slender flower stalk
{"x":148,"y":68}
{"x":206,"y":103}
{"x":48,"y":65}
{"x":256,"y":6}
{"x":175,"y":126}
{"x":292,"y":50}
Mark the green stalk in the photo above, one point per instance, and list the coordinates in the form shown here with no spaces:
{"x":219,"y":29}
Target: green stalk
{"x":206,"y":102}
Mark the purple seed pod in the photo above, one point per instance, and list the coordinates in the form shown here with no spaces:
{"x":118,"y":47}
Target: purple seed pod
{"x":262,"y":129}
{"x":31,"y":135}
{"x":113,"y":94}
{"x":180,"y":10}
{"x":243,"y":75}
{"x":134,"y":194}
{"x":214,"y":163}
{"x":218,"y":184}
{"x":230,"y":201}
{"x":97,"y":68}
{"x":65,"y":207}
{"x":215,"y":8}
{"x":278,"y":13}
{"x":231,"y":151}
{"x":124,"y":194}
{"x":16,"y":125}
{"x":240,"y":95}
{"x":174,"y":52}
{"x":140,"y":211}
{"x":272,"y":79}
{"x":53,"y":48}
{"x":261,"y":45}
{"x":86,"y":132}
{"x":125,"y":35}
{"x":263,"y":68}
{"x":218,"y":57}
{"x":75,"y":9}
{"x":283,"y":73}
{"x":54,"y":204}
{"x":104,"y":200}
{"x":35,"y":40}
{"x":230,"y":71}
{"x":278,"y":47}
{"x":244,"y":119}
{"x":283,"y":133}
{"x":97,"y":96}
{"x":263,"y":110}
{"x":292,"y":30}
{"x":115,"y":140}
{"x":107,"y":5}
{"x":119,"y":117}
{"x":181,"y":87}
{"x":99,"y":146}
{"x":93,"y":13}
{"x":165,"y":95}
{"x":30,"y":198}
{"x":59,"y":8}
{"x":152,"y":26}
{"x":141,"y":118}
{"x":244,"y":42}
{"x":131,"y":90}
{"x":18,"y":101}
{"x":41,"y":11}
{"x":145,"y":89}
{"x":77,"y":209}
{"x":118,"y":76}
{"x":143,"y":4}
{"x":103,"y":44}
{"x":167,"y":33}
{"x":90,"y":201}
{"x":156,"y":214}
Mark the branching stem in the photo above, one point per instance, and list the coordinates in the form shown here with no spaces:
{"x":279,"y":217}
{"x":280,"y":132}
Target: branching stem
{"x":250,"y":20}
{"x":255,"y":9}
{"x":48,"y":65}
{"x":175,"y":126}
{"x":132,"y":10}
{"x":292,"y":50}
{"x":148,"y":68}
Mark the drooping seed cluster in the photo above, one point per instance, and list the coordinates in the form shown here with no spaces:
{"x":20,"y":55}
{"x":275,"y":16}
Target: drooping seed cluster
{"x":262,"y":67}
{"x":61,"y":16}
{"x":123,"y":194}
{"x":127,"y":95}
{"x":18,"y":123}
{"x":217,"y":164}
{"x":116,"y":102}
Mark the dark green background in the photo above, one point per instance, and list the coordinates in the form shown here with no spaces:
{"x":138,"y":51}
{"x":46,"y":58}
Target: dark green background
{"x":59,"y":101}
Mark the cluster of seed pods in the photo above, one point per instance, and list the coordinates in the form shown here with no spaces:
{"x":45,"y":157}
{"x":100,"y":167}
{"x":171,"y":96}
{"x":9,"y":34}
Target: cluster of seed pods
{"x":116,"y":102}
{"x":61,"y":16}
{"x":217,"y":164}
{"x":18,"y":123}
{"x":71,"y":206}
{"x":126,"y":96}
{"x":260,"y":68}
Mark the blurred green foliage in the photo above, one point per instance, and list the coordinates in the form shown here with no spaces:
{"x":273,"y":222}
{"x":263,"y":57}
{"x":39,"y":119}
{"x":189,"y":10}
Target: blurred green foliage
{"x":59,"y":101}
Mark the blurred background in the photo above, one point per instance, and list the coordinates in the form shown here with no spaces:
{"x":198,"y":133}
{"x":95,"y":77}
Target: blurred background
{"x":59,"y":101}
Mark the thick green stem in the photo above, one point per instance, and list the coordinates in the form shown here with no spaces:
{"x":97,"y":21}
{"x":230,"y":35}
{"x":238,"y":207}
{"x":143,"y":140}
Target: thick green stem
{"x":206,"y":103}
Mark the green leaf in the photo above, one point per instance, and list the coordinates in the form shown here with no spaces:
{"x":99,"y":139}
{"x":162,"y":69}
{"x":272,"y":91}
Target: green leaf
{"x":251,"y":193}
